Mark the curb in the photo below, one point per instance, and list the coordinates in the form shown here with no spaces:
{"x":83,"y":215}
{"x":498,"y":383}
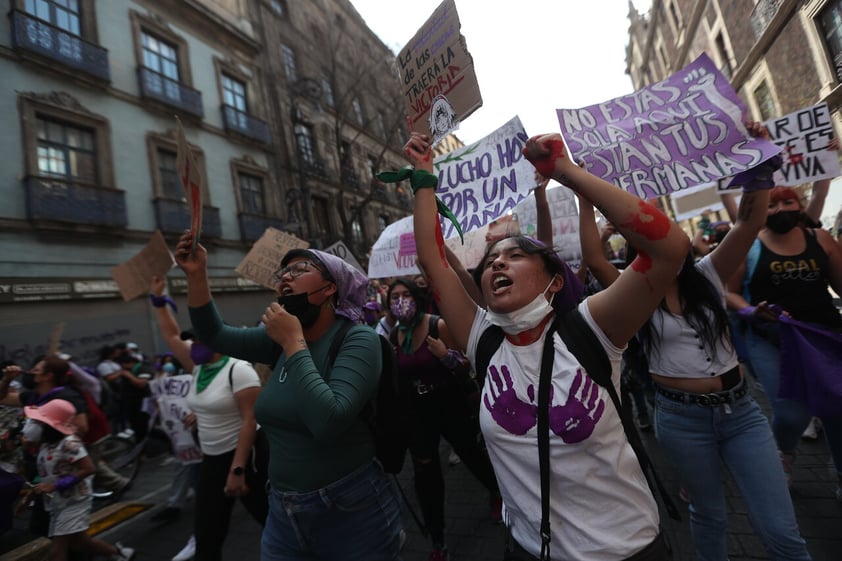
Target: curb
{"x":101,"y":520}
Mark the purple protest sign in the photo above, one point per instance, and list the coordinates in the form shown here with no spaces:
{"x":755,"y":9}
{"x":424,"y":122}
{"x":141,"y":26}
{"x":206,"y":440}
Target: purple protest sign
{"x":684,"y":131}
{"x":407,"y":244}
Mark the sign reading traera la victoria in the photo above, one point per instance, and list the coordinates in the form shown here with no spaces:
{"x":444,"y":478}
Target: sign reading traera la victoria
{"x":440,"y":86}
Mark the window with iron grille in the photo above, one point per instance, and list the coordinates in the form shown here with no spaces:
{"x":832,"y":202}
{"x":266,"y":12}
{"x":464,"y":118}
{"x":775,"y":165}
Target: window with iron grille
{"x":64,"y":14}
{"x":765,"y":103}
{"x":327,"y":93}
{"x":382,"y":221}
{"x":830,"y":22}
{"x":290,"y":69}
{"x":66,"y":151}
{"x":162,"y":58}
{"x":168,"y":175}
{"x":358,"y":111}
{"x":251,"y":194}
{"x":304,"y":140}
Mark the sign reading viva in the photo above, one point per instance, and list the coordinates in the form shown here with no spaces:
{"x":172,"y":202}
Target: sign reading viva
{"x":439,"y":84}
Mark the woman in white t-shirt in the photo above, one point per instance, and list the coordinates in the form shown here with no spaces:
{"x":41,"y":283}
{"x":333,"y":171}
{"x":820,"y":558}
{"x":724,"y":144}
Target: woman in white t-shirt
{"x":601,"y":508}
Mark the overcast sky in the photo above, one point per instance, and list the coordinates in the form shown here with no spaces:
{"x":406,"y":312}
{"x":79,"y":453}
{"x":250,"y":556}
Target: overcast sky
{"x":531,"y":57}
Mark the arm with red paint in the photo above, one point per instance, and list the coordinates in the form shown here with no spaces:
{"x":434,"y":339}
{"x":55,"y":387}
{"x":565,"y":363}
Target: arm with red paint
{"x":456,"y":306}
{"x":621,"y":309}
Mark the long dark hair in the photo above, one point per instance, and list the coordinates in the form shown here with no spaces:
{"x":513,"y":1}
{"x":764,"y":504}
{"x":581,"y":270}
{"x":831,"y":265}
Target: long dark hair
{"x":701,"y":306}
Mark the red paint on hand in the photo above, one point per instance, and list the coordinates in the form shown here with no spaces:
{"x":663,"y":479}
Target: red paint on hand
{"x":543,"y":155}
{"x":650,"y":223}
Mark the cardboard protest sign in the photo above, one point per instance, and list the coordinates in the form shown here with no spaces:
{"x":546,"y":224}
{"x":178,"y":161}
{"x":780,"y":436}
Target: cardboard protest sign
{"x":192,"y":180}
{"x":564,"y":215}
{"x":170,"y":394}
{"x":470,"y":253}
{"x":341,"y":250}
{"x":392,"y":255}
{"x":684,"y":131}
{"x":485,"y":180}
{"x":134,"y":276}
{"x":264,"y":258}
{"x":804,"y":136}
{"x":440,"y":87}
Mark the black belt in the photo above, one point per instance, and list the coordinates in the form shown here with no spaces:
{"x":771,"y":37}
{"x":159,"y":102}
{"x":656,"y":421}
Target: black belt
{"x":705,"y":399}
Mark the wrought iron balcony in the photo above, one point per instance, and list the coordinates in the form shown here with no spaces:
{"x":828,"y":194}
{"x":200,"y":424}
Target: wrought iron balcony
{"x":242,"y":123}
{"x":173,"y":217}
{"x":63,"y":201}
{"x":156,"y":86}
{"x":313,"y":168}
{"x":350,"y":177}
{"x":252,"y":226}
{"x":42,"y":38}
{"x":380,"y":193}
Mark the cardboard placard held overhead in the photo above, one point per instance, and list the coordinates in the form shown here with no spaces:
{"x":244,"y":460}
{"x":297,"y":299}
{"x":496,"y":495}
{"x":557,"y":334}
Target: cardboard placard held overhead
{"x":439,"y":83}
{"x":264,"y":258}
{"x":134,"y":276}
{"x":192,"y":179}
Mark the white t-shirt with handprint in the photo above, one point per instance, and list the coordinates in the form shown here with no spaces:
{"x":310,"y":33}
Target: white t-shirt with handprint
{"x":601,"y":508}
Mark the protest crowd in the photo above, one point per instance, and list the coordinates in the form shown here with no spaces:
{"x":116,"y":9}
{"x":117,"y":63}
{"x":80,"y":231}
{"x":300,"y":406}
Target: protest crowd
{"x":538,"y":364}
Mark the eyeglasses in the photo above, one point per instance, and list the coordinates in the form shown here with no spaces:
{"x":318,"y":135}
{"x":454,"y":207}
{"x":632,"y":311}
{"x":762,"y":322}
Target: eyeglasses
{"x":294,"y":270}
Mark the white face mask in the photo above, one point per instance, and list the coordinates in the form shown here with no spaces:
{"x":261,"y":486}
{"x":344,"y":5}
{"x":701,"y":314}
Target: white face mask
{"x":523,"y":318}
{"x":32,"y":431}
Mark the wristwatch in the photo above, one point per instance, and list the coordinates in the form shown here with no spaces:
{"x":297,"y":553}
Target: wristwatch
{"x":239,"y":470}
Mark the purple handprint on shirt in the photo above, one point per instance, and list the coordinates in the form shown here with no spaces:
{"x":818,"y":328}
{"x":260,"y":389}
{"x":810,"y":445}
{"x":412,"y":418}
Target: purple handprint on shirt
{"x":575,"y":420}
{"x":514,"y":415}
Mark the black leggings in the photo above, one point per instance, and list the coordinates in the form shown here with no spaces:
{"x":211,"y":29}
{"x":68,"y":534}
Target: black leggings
{"x":444,"y":412}
{"x":213,"y":508}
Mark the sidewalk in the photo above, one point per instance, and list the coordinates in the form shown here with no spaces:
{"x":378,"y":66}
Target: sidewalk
{"x":471,"y":535}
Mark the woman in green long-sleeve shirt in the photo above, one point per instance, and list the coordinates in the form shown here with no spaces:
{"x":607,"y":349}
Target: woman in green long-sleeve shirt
{"x":329,"y":498}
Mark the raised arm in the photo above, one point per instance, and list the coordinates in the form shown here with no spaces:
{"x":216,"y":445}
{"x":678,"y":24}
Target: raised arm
{"x":544,"y":224}
{"x":456,"y":306}
{"x":593,"y":257}
{"x":621,"y":309}
{"x":168,"y":325}
{"x":464,"y":276}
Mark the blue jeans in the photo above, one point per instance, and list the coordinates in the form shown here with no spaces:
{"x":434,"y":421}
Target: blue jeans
{"x":355,"y":518}
{"x":695,"y":438}
{"x":789,"y":417}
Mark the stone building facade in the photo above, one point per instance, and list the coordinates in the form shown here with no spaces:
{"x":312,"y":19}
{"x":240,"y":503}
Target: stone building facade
{"x":779,"y":55}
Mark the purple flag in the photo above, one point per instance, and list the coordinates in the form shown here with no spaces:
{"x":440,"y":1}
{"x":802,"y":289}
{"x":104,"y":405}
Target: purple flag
{"x":811,"y":367}
{"x":685,"y":131}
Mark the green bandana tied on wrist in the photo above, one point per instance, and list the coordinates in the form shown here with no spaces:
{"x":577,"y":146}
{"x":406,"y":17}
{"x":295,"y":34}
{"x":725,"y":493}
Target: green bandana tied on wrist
{"x":421,"y":179}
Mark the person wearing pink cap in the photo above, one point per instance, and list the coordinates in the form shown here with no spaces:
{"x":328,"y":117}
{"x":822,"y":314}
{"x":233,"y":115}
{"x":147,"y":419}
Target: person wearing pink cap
{"x":65,"y":475}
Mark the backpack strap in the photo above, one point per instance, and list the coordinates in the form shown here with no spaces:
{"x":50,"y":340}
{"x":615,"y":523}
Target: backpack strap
{"x":337,"y":341}
{"x":433,"y":326}
{"x":231,"y":375}
{"x":583,"y":343}
{"x":489,"y":341}
{"x":544,"y":384}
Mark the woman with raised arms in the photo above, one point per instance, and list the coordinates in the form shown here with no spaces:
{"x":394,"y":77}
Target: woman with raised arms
{"x":601,"y":507}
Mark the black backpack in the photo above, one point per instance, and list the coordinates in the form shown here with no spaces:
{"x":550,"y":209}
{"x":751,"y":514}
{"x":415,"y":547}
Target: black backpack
{"x":583,"y":343}
{"x":390,"y":413}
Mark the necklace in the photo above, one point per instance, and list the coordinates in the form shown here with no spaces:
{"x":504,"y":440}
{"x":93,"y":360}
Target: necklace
{"x":207,"y":372}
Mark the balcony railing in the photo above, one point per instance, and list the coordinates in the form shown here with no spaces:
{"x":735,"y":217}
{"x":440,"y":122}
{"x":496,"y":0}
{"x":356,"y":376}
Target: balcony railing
{"x":42,"y":38}
{"x":247,"y":125}
{"x":350,"y":177}
{"x":156,"y":86}
{"x":313,"y":168}
{"x":763,"y":14}
{"x":173,"y":217}
{"x":63,"y":201}
{"x":380,"y":194}
{"x":252,"y":226}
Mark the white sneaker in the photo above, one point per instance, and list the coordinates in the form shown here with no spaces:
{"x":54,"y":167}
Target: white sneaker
{"x":188,"y":552}
{"x":123,"y":553}
{"x":812,"y":430}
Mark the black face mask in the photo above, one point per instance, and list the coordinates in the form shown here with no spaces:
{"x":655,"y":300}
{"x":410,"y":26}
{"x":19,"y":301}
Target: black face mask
{"x":299,"y":305}
{"x":783,"y":221}
{"x":27,"y":380}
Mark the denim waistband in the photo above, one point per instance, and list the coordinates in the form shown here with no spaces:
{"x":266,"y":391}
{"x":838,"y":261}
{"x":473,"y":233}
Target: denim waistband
{"x":322,"y":495}
{"x":705,"y":399}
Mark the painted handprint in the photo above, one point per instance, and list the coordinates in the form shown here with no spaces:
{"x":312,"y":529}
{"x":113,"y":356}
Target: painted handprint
{"x":514,"y":415}
{"x":575,"y":420}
